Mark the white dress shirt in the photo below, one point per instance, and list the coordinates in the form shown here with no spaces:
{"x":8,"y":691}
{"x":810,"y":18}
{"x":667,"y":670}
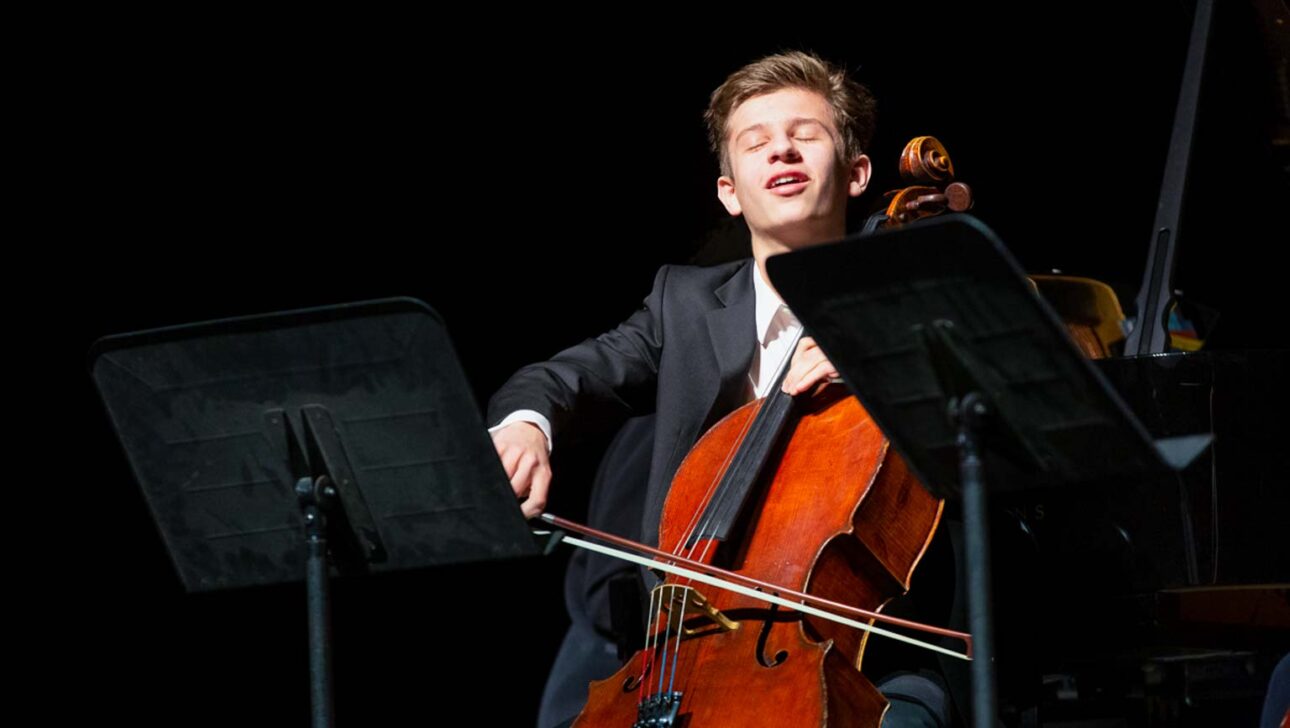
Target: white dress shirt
{"x":777,"y":329}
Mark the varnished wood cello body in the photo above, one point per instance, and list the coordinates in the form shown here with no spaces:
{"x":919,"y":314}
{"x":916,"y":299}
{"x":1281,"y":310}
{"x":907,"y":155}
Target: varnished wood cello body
{"x":830,"y":510}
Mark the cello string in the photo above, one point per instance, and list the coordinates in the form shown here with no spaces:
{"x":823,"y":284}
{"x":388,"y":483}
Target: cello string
{"x":647,"y":660}
{"x":666,"y":669}
{"x":676,"y":650}
{"x":663,"y":666}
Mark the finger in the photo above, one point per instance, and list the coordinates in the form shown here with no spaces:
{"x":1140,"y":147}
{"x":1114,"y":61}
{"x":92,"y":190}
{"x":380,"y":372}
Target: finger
{"x":522,"y":481}
{"x":510,"y":456}
{"x":804,"y":346}
{"x":802,"y":366}
{"x":821,"y":371}
{"x":536,"y":502}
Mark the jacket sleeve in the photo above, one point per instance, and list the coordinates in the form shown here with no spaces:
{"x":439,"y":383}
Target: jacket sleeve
{"x":597,"y":383}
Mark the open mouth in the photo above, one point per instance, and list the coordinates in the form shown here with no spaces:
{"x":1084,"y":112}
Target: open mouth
{"x":788,"y":188}
{"x":788,"y":183}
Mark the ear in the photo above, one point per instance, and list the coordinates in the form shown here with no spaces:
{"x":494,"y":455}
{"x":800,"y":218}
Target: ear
{"x":726,"y":193}
{"x":858,"y":175}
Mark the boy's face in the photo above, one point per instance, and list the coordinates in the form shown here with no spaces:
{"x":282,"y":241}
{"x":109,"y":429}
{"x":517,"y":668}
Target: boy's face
{"x":788,"y":134}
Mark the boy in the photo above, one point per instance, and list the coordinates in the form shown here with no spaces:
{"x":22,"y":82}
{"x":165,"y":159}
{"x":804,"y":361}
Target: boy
{"x":789,"y":130}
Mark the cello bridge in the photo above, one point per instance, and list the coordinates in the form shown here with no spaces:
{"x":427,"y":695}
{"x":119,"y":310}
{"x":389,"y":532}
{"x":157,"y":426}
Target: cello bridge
{"x":683,"y":602}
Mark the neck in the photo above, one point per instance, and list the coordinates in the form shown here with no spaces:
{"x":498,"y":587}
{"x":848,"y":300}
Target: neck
{"x":766,"y":244}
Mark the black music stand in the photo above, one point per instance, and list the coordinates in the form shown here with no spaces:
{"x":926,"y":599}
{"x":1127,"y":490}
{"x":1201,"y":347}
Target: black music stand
{"x":967,"y":371}
{"x":342,"y":439}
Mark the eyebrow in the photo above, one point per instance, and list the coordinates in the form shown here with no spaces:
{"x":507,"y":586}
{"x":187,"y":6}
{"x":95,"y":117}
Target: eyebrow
{"x":793,"y":123}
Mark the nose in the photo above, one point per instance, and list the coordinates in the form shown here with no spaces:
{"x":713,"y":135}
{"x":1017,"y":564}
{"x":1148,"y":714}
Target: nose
{"x":783,"y":148}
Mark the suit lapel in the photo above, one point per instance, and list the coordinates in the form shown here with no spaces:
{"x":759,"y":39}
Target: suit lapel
{"x":707,"y":392}
{"x":732,"y":331}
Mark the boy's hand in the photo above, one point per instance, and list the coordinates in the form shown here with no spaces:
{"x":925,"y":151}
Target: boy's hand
{"x":523,"y":450}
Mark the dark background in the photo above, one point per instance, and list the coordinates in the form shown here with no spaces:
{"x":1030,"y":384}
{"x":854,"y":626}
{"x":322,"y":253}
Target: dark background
{"x":527,"y":183}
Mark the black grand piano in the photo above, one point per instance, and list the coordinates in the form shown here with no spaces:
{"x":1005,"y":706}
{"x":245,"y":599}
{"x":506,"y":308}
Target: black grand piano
{"x":1167,"y":602}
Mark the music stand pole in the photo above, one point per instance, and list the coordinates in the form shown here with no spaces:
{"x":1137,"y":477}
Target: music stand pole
{"x":976,"y":535}
{"x":315,"y":495}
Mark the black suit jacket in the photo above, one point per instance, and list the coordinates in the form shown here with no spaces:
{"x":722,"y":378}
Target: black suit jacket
{"x":684,"y":355}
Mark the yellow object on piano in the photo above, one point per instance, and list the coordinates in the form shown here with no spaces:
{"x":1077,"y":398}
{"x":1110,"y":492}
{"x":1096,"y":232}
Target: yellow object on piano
{"x":1089,"y":308}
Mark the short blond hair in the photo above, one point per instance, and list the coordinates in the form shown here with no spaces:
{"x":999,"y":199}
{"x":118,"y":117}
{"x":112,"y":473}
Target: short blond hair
{"x":852,"y":103}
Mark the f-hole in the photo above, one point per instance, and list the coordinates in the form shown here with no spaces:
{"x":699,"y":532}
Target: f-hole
{"x":762,"y":658}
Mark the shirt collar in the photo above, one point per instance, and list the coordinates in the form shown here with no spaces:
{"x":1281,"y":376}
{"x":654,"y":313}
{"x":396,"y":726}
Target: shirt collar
{"x":768,"y":303}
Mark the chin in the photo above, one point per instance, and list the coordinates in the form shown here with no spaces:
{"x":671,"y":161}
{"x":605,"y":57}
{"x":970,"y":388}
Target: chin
{"x":800,"y":231}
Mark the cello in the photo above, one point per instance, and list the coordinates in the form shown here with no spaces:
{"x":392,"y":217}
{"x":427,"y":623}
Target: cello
{"x":802,"y":496}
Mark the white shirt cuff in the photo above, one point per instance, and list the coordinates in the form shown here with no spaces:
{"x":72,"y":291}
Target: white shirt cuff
{"x":525,"y":415}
